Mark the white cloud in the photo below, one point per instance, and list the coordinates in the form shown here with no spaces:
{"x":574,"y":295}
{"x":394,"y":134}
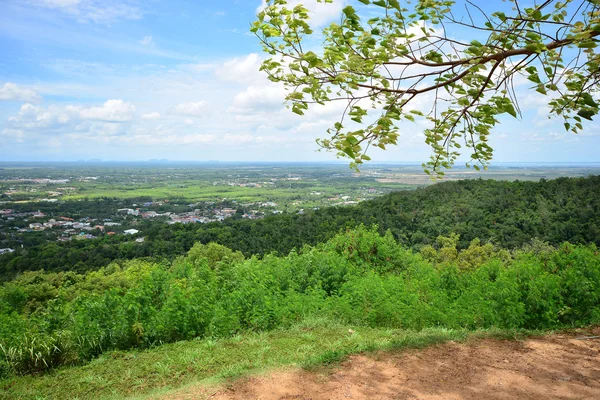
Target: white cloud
{"x":107,"y":129}
{"x":109,"y":119}
{"x":242,"y":69}
{"x":11,"y":91}
{"x":259,"y":98}
{"x":320,"y":13}
{"x":60,"y":3}
{"x":542,"y":136}
{"x":283,"y":139}
{"x":223,"y":140}
{"x":198,"y":68}
{"x":35,"y":117}
{"x":193,"y":109}
{"x":147,"y":41}
{"x":151,"y":116}
{"x":98,"y":11}
{"x":111,"y":111}
{"x":15,"y":135}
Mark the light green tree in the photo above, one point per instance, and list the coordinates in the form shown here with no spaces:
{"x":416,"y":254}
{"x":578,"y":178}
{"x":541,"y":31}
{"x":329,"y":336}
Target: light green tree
{"x":380,"y":66}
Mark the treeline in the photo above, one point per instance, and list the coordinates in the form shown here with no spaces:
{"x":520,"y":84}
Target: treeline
{"x":508,"y":214}
{"x":49,"y":319}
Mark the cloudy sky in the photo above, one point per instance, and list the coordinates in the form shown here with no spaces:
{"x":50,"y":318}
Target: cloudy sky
{"x":178,"y":79}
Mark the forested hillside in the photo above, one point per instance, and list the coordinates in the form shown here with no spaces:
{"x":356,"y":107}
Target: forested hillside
{"x":508,"y":214}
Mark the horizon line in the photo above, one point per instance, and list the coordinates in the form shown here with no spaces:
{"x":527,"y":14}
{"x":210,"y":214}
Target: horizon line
{"x":337,"y":162}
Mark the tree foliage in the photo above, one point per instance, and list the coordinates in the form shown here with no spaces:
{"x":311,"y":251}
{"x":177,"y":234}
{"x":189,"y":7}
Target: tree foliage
{"x":383,"y":59}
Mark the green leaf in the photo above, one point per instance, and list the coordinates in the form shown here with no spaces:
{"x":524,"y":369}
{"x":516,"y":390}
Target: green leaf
{"x":348,"y":152}
{"x":395,"y":4}
{"x":509,"y":108}
{"x":535,"y":47}
{"x":350,"y":12}
{"x":588,"y":44}
{"x":588,"y":100}
{"x":352,"y":140}
{"x":586,"y":113}
{"x":541,"y":89}
{"x":298,"y":109}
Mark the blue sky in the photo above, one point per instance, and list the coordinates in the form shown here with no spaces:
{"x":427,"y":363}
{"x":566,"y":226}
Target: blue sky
{"x":137,"y":80}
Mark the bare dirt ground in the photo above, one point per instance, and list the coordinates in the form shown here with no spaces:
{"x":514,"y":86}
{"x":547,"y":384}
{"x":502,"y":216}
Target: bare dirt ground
{"x":551,"y":367}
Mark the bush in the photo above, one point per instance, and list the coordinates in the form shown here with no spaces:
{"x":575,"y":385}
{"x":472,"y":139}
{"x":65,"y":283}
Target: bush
{"x":359,"y":277}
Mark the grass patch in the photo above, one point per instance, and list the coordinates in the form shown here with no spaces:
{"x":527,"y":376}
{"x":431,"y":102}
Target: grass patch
{"x":311,"y":344}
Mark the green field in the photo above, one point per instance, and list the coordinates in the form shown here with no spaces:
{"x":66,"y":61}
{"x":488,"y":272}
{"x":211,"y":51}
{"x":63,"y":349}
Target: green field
{"x":311,"y":185}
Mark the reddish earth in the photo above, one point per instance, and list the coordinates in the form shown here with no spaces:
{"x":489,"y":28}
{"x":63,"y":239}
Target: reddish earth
{"x":551,"y":367}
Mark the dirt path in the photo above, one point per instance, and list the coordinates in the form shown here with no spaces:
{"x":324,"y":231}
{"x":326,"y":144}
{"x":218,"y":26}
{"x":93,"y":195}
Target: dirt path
{"x":553,"y":367}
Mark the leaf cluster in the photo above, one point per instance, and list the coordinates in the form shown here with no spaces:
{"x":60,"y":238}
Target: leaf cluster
{"x":403,"y":64}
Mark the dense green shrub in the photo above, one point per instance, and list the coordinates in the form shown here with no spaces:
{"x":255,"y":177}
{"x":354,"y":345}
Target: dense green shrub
{"x":359,"y":276}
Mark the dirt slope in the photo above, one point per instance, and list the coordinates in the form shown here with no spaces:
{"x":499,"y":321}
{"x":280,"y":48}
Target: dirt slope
{"x":553,"y":367}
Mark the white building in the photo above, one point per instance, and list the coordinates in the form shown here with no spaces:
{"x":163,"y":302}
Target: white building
{"x":131,"y":231}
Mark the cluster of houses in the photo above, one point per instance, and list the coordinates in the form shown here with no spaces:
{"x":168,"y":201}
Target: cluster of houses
{"x":11,"y":214}
{"x":248,"y":184}
{"x":68,"y":227}
{"x":71,"y":229}
{"x":45,"y":181}
{"x":243,"y":183}
{"x":197,"y":215}
{"x":68,"y":223}
{"x":343,"y":200}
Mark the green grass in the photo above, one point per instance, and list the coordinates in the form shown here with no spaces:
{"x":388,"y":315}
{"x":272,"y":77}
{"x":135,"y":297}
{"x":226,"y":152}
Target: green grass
{"x":311,"y":344}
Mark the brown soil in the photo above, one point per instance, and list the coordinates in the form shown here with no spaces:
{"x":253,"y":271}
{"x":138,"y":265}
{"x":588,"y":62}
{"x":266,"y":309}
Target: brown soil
{"x":552,"y":367}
